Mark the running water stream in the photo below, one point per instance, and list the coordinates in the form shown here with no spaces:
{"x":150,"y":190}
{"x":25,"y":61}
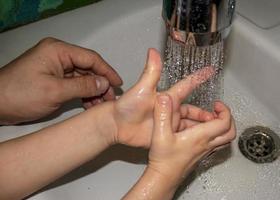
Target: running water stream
{"x":182,"y":60}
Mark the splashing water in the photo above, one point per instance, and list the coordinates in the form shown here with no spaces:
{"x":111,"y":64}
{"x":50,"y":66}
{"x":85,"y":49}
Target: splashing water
{"x":182,"y":60}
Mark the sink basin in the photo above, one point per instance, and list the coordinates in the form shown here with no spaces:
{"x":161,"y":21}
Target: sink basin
{"x":122,"y":31}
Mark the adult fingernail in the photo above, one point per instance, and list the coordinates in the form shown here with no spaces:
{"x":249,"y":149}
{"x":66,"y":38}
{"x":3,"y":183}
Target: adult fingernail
{"x":102,"y":84}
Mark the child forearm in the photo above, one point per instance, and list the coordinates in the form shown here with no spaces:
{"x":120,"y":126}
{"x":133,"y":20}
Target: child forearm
{"x":152,"y":185}
{"x":30,"y":162}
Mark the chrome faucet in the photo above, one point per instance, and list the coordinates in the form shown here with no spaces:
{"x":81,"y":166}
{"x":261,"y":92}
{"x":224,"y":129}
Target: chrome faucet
{"x":198,"y":22}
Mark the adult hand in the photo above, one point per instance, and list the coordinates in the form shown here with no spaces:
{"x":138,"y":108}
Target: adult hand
{"x":49,"y":74}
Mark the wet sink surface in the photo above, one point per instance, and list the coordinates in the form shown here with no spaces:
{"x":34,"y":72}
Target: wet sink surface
{"x":122,"y":32}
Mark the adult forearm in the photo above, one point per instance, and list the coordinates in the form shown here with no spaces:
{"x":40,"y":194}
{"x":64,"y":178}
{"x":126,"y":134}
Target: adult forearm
{"x":5,"y":111}
{"x":33,"y":161}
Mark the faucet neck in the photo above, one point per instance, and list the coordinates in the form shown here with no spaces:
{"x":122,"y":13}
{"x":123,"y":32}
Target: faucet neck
{"x":199,"y":22}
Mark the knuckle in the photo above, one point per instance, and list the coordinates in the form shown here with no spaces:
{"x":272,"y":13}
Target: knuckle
{"x":146,"y":70}
{"x":90,"y":58}
{"x":79,"y":84}
{"x":93,"y":56}
{"x":85,"y":58}
{"x":202,"y":115}
{"x":99,"y":61}
{"x":202,"y":144}
{"x":203,"y":147}
{"x":227,"y":110}
{"x":86,"y":84}
{"x":227,"y":123}
{"x":47,"y":41}
{"x":212,"y":146}
{"x":96,"y":55}
{"x":230,"y":136}
{"x":227,"y":127}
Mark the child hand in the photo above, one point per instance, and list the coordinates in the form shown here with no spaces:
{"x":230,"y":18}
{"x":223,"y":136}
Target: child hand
{"x":133,"y":112}
{"x":173,"y":154}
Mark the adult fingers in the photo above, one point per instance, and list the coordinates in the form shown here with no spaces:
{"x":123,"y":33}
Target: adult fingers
{"x":152,"y":71}
{"x":72,"y":55}
{"x":184,"y":87}
{"x":82,"y":87}
{"x":163,"y":116}
{"x":92,"y":101}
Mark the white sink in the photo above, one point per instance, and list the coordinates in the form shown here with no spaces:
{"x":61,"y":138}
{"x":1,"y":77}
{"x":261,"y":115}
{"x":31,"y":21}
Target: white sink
{"x":122,"y":31}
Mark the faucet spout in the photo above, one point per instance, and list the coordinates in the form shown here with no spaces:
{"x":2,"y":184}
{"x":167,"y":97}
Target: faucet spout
{"x":198,"y":22}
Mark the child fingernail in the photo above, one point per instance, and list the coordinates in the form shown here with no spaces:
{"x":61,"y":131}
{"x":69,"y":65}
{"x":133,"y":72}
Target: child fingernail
{"x":163,"y":99}
{"x":215,"y":115}
{"x":209,"y":117}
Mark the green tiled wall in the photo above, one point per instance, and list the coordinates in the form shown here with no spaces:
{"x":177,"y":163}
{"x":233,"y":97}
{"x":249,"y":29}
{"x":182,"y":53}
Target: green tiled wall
{"x":14,"y":13}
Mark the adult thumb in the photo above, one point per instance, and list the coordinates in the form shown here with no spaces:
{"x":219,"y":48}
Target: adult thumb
{"x":83,"y":87}
{"x":163,"y":116}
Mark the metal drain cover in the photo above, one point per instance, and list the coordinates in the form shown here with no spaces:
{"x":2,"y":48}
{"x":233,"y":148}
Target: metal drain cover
{"x":259,"y":144}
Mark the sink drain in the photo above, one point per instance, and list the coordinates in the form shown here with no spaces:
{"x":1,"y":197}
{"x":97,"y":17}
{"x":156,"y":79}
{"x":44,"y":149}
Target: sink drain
{"x":259,"y":144}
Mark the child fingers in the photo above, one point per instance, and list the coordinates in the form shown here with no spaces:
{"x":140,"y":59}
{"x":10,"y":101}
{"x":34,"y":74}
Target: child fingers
{"x":184,"y":87}
{"x":195,"y":113}
{"x":213,"y":128}
{"x":217,"y":149}
{"x":92,"y":101}
{"x":110,"y":94}
{"x":163,"y":115}
{"x":222,"y":147}
{"x":152,"y":71}
{"x":222,"y":110}
{"x":87,"y":104}
{"x":187,"y":123}
{"x":222,"y":123}
{"x":217,"y":127}
{"x":225,"y":138}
